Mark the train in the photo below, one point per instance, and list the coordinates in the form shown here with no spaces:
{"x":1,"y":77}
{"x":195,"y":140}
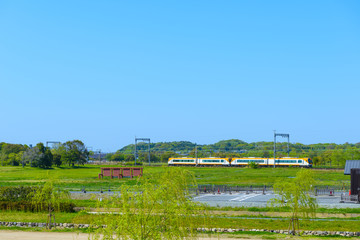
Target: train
{"x":240,"y":162}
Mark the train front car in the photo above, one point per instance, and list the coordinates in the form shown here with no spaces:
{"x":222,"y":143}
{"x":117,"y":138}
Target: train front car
{"x":307,"y":162}
{"x":225,"y":162}
{"x":182,"y":162}
{"x":290,"y":161}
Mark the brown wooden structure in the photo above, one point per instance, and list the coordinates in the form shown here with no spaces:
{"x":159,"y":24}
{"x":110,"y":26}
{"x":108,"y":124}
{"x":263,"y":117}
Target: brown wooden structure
{"x":121,"y":172}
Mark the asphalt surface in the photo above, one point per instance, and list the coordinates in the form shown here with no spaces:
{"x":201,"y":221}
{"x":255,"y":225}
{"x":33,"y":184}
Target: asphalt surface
{"x":261,"y":200}
{"x":238,"y":199}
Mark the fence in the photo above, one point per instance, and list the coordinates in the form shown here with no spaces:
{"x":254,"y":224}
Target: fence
{"x":349,"y":198}
{"x":324,"y":191}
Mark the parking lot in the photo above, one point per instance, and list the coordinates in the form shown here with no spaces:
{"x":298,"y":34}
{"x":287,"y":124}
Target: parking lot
{"x":262,"y":200}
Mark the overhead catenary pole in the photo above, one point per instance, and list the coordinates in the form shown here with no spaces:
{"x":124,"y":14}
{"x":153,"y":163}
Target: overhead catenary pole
{"x":274,"y":147}
{"x":288,"y":143}
{"x":145,"y":140}
{"x":149,"y":151}
{"x":47,"y":143}
{"x":288,"y":146}
{"x":135,"y":154}
{"x":196,"y":158}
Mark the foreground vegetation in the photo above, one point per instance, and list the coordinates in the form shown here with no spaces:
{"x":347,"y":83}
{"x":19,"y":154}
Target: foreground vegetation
{"x":216,"y":222}
{"x":75,"y":178}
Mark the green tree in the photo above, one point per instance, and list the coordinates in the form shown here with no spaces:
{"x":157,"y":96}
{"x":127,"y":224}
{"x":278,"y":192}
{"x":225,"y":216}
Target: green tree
{"x":57,"y":160}
{"x":129,"y":157}
{"x":296,"y":194}
{"x":50,"y":197}
{"x":117,"y":157}
{"x":155,"y":208}
{"x":108,"y":156}
{"x":39,"y":156}
{"x":74,"y":152}
{"x":166,"y":155}
{"x":266,"y":154}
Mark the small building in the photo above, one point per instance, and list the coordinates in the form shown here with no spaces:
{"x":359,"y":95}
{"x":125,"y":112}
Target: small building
{"x":350,"y":164}
{"x":352,"y":167}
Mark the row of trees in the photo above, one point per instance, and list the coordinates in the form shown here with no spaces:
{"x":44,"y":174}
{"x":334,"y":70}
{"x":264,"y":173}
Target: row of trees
{"x":142,"y":157}
{"x":75,"y":152}
{"x":70,"y":153}
{"x":238,"y":146}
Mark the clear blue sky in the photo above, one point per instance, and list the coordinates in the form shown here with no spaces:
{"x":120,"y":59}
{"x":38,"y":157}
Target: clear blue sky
{"x":203,"y":71}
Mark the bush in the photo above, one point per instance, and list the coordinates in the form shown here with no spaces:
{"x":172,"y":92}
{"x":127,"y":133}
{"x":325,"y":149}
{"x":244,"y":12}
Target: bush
{"x":133,"y":164}
{"x":16,"y":193}
{"x":253,"y":165}
{"x":29,"y":207}
{"x":19,"y":199}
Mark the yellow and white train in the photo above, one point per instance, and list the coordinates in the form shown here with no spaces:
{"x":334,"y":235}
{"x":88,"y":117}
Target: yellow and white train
{"x":238,"y":162}
{"x":212,"y":161}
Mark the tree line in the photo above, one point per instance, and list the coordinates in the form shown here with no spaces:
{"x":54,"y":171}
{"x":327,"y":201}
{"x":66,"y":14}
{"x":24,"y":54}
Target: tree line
{"x":68,"y":153}
{"x":75,"y":152}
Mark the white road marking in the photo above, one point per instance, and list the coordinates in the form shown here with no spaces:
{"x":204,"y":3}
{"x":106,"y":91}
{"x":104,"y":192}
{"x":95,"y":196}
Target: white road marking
{"x":242,"y":198}
{"x":215,"y":195}
{"x":201,"y":196}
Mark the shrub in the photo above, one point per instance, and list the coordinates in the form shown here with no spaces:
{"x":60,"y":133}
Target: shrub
{"x":253,"y":165}
{"x":12,"y":194}
{"x":133,"y":164}
{"x":30,"y":207}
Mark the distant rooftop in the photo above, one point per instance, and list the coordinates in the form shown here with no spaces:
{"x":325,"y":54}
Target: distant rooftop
{"x":350,"y":164}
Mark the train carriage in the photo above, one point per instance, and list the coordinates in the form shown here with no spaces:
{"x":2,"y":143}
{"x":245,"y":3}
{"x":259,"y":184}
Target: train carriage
{"x":212,"y":161}
{"x":182,"y":161}
{"x":246,"y":161}
{"x":279,"y":162}
{"x":238,"y":162}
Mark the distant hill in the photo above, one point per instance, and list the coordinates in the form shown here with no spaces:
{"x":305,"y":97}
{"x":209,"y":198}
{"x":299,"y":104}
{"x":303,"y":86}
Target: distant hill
{"x":235,"y":146}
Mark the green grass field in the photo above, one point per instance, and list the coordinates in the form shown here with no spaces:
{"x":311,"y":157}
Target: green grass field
{"x":76,"y":178}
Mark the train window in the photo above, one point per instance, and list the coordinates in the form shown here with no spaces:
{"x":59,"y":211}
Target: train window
{"x":285,"y":161}
{"x":242,"y":161}
{"x":299,"y":161}
{"x":183,"y":160}
{"x":210,"y":161}
{"x":257,"y":161}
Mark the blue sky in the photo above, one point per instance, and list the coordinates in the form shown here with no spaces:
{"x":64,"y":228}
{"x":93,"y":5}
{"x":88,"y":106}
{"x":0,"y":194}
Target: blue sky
{"x":203,"y":71}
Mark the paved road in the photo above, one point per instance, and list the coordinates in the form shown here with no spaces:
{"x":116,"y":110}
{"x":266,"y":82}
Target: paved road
{"x":260,"y":200}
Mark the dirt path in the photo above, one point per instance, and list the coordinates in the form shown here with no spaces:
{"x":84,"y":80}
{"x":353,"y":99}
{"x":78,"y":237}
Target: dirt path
{"x":21,"y":235}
